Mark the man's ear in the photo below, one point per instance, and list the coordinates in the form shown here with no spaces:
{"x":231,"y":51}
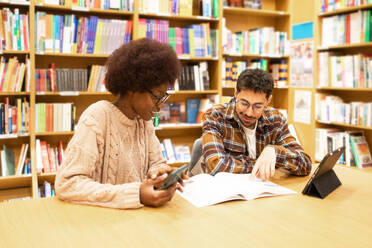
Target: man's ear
{"x":269,"y":100}
{"x":235,"y":92}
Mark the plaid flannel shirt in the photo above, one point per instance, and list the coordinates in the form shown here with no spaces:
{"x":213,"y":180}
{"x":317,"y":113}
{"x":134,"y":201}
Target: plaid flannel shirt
{"x":224,"y":147}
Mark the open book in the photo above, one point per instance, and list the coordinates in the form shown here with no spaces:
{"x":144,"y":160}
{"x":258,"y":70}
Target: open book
{"x":204,"y":190}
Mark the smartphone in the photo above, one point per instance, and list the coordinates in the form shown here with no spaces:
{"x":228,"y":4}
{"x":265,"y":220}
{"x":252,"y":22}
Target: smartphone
{"x":174,"y":176}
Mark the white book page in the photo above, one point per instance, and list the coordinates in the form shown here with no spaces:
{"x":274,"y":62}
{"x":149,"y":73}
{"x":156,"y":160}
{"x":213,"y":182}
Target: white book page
{"x":204,"y":190}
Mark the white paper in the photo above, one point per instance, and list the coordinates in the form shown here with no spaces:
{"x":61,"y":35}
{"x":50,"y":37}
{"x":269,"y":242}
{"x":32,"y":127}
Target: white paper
{"x":302,"y":106}
{"x":204,"y":190}
{"x":301,"y":69}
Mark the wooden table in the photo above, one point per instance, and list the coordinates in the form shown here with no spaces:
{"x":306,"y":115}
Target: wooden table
{"x":343,"y":219}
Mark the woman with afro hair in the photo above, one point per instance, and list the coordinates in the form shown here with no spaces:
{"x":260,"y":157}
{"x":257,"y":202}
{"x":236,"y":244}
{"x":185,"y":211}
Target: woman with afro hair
{"x":114,"y":158}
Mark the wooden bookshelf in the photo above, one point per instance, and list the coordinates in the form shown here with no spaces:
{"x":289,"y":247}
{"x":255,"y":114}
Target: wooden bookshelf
{"x":347,"y":94}
{"x":344,"y":125}
{"x":345,"y":10}
{"x":273,"y":13}
{"x":256,"y":56}
{"x":254,"y":12}
{"x":172,"y":17}
{"x":344,"y":89}
{"x":363,"y":45}
{"x":21,"y":186}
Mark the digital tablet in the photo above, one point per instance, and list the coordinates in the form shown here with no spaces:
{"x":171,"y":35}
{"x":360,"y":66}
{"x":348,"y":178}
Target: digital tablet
{"x":325,"y":166}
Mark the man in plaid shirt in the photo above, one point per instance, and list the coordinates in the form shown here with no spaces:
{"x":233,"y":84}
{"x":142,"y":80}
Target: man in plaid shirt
{"x":247,"y":136}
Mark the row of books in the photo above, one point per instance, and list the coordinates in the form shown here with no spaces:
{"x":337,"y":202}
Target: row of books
{"x":193,"y":77}
{"x":94,"y":4}
{"x":332,"y":109}
{"x":350,"y":71}
{"x":356,"y":153}
{"x":277,"y":68}
{"x":67,"y":79}
{"x":46,"y":190}
{"x":175,"y":153}
{"x":54,"y":117}
{"x":14,"y":119}
{"x":252,"y":4}
{"x":190,"y":111}
{"x":330,"y":5}
{"x":14,"y":75}
{"x":197,"y":40}
{"x":48,"y":157}
{"x":264,"y":41}
{"x":347,"y":28}
{"x":207,"y":8}
{"x":14,"y":30}
{"x":8,"y":166}
{"x":83,"y":35}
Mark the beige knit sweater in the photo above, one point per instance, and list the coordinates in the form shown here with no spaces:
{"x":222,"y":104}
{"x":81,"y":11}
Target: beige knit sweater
{"x":107,"y":158}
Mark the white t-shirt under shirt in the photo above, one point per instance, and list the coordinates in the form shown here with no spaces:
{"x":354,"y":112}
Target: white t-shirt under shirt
{"x":250,"y":140}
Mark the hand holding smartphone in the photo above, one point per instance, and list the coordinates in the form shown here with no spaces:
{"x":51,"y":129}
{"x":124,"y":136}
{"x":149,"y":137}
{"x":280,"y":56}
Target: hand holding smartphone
{"x":174,"y":176}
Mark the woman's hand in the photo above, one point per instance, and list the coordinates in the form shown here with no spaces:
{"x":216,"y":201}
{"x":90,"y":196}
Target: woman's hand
{"x":150,"y":196}
{"x":166,"y":170}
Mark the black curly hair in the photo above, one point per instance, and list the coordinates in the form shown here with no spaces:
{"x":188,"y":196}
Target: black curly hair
{"x":257,"y":80}
{"x":139,"y":65}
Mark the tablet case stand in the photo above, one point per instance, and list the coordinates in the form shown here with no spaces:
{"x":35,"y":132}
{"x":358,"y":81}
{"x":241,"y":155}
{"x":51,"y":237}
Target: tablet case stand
{"x":323,"y":185}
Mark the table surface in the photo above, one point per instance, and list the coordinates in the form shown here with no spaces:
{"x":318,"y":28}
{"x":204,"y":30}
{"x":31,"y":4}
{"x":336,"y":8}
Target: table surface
{"x":342,"y":219}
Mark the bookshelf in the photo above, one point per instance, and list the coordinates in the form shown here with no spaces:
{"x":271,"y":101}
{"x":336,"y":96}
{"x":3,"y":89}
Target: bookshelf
{"x":275,"y":13}
{"x":345,"y":49}
{"x":27,"y":185}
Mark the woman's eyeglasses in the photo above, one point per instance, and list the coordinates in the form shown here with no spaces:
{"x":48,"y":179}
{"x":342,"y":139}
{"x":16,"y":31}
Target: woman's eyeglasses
{"x":159,"y":99}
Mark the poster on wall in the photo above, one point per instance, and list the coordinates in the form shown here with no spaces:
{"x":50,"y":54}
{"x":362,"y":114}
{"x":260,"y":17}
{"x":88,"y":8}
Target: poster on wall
{"x":302,"y":63}
{"x":302,"y":106}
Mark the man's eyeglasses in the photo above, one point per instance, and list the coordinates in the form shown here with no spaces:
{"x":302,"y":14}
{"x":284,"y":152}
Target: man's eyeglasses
{"x":159,"y":99}
{"x":244,"y":106}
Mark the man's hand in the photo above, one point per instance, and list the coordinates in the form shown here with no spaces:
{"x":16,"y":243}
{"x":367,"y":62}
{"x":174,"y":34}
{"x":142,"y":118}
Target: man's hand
{"x":265,"y":164}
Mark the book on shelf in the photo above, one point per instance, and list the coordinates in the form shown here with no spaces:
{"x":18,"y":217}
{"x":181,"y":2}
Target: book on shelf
{"x":12,"y":75}
{"x":14,"y":119}
{"x":7,"y":162}
{"x":175,"y":153}
{"x":54,"y":117}
{"x":173,"y":112}
{"x":205,"y":104}
{"x":361,"y":151}
{"x":329,"y":108}
{"x":206,"y":8}
{"x":335,"y":70}
{"x":61,"y":79}
{"x":14,"y":35}
{"x":48,"y":157}
{"x":96,"y":4}
{"x":347,"y":28}
{"x":204,"y":189}
{"x":194,"y":76}
{"x":264,"y":41}
{"x":330,"y":5}
{"x":196,"y":40}
{"x":97,"y":79}
{"x":46,"y":190}
{"x":329,"y":139}
{"x":192,"y":109}
{"x":232,"y":69}
{"x":22,"y":162}
{"x":170,"y":151}
{"x":82,"y":35}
